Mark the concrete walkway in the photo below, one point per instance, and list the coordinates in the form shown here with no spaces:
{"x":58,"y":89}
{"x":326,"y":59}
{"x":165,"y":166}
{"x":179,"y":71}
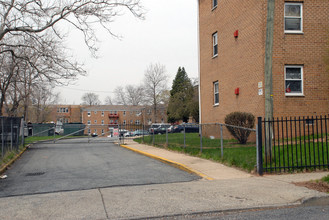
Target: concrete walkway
{"x":221,"y":189}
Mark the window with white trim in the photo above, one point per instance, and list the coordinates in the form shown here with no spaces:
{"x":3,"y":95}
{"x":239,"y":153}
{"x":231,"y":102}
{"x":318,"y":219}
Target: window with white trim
{"x":89,"y":122}
{"x":293,"y":76}
{"x":124,"y":122}
{"x":214,"y":4}
{"x":88,"y":113}
{"x":137,"y":122}
{"x":95,"y":121}
{"x":102,"y":113}
{"x":216,"y":93}
{"x":293,"y":17}
{"x":102,"y":122}
{"x":214,"y":44}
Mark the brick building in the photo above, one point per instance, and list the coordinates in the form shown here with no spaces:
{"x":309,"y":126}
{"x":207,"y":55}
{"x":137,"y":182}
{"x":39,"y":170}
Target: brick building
{"x":100,"y":118}
{"x":232,"y":36}
{"x":66,"y":113}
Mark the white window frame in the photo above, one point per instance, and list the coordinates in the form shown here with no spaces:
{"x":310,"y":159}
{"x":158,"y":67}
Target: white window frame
{"x":88,"y":122}
{"x":102,"y":113}
{"x":301,"y":18}
{"x":214,"y":44}
{"x":102,"y":122}
{"x":302,"y":80}
{"x":124,"y":113}
{"x":124,"y":122}
{"x":137,"y":122}
{"x":88,"y":113}
{"x":214,"y":4}
{"x":216,"y":93}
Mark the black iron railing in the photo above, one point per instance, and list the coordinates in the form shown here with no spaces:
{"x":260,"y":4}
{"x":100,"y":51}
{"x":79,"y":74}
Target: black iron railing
{"x":289,"y":144}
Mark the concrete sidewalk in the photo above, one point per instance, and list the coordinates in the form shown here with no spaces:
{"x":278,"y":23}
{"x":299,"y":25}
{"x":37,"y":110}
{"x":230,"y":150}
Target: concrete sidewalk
{"x":221,"y":189}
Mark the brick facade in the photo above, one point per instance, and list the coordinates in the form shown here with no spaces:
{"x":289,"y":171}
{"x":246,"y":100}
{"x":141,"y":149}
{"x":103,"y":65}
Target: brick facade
{"x":100,"y":118}
{"x":240,"y":60}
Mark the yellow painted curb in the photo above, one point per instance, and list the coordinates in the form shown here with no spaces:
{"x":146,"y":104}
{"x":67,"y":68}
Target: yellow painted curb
{"x":5,"y":167}
{"x":170,"y":162}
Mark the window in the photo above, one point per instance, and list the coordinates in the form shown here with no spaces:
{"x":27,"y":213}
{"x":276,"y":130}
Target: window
{"x":214,"y":4}
{"x":216,"y":94}
{"x":95,"y":122}
{"x":124,"y":122}
{"x":215,"y":44}
{"x":293,"y":80}
{"x":95,"y":112}
{"x":89,"y":131}
{"x":102,"y":131}
{"x":89,"y":122}
{"x":88,"y":113}
{"x":66,"y":110}
{"x":137,"y":122}
{"x":124,"y":113}
{"x":102,"y":113}
{"x":149,"y":111}
{"x":131,"y":122}
{"x":293,"y":21}
{"x":102,"y":122}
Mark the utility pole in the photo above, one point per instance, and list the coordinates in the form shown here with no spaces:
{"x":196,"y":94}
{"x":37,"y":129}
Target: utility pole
{"x":268,"y":73}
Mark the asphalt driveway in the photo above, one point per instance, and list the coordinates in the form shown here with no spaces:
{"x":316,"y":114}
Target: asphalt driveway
{"x":48,"y":167}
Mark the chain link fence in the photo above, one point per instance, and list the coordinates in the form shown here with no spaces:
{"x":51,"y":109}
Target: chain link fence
{"x":11,"y":134}
{"x":209,"y":141}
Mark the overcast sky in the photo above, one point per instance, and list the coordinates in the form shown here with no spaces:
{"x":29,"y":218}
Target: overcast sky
{"x":168,"y":36}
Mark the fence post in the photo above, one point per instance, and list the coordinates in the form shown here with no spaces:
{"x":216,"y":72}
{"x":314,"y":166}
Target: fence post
{"x":259,"y":143}
{"x":2,"y":138}
{"x":221,"y":141}
{"x":200,"y":138}
{"x":11,"y":134}
{"x":184,"y":136}
{"x":54,"y":133}
{"x":143,"y":129}
{"x":153,"y":137}
{"x":166,"y":137}
{"x":23,"y":131}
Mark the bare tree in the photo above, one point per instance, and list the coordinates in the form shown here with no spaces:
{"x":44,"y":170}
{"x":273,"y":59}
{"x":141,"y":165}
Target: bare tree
{"x":43,"y":99}
{"x":120,"y":96}
{"x":90,"y":99}
{"x":155,"y":83}
{"x":40,"y":61}
{"x":29,"y":32}
{"x":31,"y":17}
{"x":108,"y":100}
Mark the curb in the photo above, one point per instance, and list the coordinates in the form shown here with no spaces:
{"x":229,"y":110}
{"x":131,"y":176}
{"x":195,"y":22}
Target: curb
{"x":5,"y":167}
{"x":170,"y":162}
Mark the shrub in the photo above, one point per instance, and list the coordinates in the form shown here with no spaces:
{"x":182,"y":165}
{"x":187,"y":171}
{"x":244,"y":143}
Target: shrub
{"x":241,"y":119}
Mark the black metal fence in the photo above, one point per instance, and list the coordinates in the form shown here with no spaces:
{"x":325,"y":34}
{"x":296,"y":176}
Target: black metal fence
{"x":11,"y":134}
{"x":288,"y":144}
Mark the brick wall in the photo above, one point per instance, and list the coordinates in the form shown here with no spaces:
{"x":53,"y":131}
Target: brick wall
{"x":240,"y":61}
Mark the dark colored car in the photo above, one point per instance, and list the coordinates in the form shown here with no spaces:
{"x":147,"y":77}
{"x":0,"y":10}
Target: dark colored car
{"x":161,"y":129}
{"x":189,"y":128}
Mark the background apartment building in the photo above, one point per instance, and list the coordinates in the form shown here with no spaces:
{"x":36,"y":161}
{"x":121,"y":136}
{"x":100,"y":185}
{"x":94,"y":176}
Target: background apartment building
{"x":101,"y":118}
{"x":232,"y":54}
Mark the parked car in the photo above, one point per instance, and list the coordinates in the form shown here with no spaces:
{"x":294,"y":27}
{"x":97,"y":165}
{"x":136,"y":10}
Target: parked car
{"x":94,"y":134}
{"x":189,"y":128}
{"x":140,"y":132}
{"x":161,"y":129}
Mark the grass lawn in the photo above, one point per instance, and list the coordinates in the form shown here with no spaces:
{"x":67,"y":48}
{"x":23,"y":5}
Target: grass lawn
{"x":235,"y":154}
{"x":299,"y":155}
